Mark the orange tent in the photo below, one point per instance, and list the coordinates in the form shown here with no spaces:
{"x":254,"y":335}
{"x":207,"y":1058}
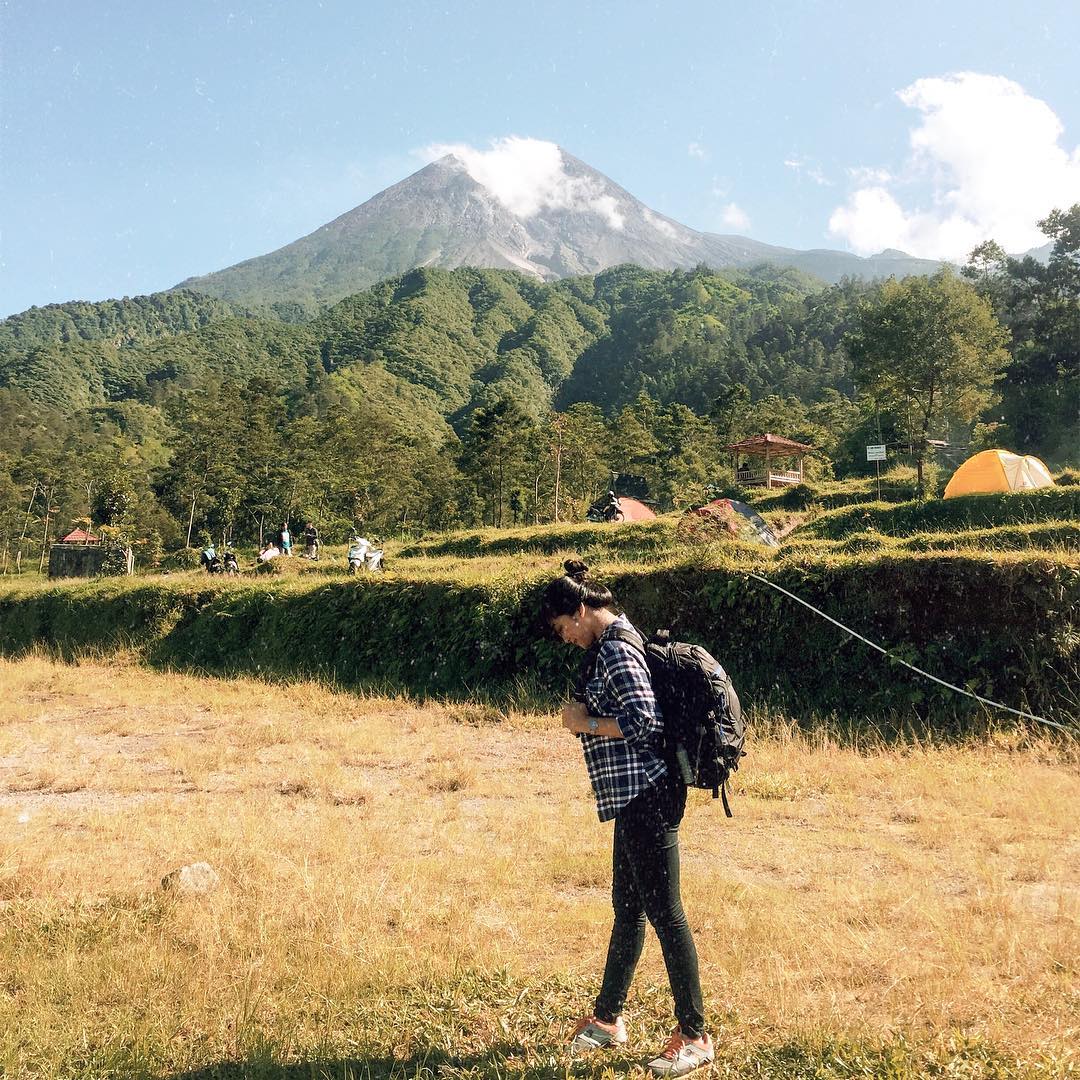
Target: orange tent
{"x":632,"y":510}
{"x":997,"y":470}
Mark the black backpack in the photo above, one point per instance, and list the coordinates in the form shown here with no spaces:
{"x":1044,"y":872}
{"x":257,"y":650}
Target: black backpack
{"x":703,"y":725}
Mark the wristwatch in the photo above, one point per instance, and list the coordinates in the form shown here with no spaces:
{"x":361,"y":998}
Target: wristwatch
{"x":594,"y":725}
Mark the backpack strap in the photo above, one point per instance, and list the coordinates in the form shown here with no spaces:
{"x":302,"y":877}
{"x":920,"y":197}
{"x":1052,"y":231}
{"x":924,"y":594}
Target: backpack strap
{"x":723,"y":797}
{"x":588,"y":664}
{"x":627,"y":637}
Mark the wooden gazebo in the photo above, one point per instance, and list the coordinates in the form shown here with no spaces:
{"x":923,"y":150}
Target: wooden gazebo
{"x":80,"y":536}
{"x":776,"y":452}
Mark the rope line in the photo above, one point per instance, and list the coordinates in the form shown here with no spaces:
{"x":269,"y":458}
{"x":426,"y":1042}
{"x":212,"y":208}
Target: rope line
{"x":897,"y":660}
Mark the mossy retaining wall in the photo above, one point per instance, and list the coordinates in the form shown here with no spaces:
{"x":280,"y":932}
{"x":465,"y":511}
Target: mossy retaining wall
{"x":1004,"y":625}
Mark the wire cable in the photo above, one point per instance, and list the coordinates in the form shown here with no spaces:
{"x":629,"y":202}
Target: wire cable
{"x":897,"y":660}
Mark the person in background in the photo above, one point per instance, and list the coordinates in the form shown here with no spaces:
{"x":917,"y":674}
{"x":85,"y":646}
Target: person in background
{"x":311,"y":541}
{"x":285,"y":540}
{"x":271,"y":551}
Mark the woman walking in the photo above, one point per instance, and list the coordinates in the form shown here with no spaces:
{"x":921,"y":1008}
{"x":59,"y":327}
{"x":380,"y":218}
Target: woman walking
{"x":618,"y":722}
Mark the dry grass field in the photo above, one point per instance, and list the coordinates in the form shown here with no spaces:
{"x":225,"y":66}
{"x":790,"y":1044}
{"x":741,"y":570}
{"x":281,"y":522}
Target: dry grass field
{"x":423,"y":891}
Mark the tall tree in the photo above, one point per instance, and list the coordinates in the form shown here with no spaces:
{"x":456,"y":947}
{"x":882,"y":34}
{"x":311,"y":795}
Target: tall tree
{"x":1040,"y":305}
{"x":930,"y":350}
{"x":493,"y":452}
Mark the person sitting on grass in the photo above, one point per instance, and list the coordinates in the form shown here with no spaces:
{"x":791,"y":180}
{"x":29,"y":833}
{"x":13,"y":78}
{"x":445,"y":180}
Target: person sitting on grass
{"x":618,"y":722}
{"x":271,"y":551}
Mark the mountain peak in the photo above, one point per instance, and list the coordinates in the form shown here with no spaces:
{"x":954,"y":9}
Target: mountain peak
{"x":525,"y":204}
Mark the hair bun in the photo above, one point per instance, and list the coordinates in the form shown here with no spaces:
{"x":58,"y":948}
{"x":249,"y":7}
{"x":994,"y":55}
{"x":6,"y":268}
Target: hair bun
{"x":576,"y":569}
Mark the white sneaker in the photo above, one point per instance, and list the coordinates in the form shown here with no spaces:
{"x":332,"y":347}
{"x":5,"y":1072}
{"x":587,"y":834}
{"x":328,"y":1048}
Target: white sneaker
{"x":682,"y":1055}
{"x":590,"y":1033}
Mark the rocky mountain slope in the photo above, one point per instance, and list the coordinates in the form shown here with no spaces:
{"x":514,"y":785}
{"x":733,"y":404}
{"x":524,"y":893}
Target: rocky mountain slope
{"x":443,"y":216}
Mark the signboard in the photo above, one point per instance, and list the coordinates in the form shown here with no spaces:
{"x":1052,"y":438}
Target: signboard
{"x":875,"y":453}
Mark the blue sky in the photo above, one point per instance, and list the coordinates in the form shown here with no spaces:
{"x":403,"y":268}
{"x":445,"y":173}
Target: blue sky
{"x":144,"y":142}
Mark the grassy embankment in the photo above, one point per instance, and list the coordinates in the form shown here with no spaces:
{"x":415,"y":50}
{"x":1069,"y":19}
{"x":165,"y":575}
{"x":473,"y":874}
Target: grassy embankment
{"x":424,"y":892}
{"x":982,"y":591}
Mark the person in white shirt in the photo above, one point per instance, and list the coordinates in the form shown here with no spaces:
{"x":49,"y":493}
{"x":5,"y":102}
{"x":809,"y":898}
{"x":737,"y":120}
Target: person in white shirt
{"x":271,"y":551}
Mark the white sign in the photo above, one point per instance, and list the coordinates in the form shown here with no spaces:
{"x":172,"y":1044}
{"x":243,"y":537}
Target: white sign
{"x":875,"y":453}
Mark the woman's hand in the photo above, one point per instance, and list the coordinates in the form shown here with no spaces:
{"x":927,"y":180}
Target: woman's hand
{"x":575,"y":717}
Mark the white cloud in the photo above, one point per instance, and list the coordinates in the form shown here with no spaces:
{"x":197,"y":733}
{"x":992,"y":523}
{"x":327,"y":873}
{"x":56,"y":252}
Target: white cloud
{"x":864,"y":175}
{"x":992,"y":158}
{"x":734,"y":217}
{"x":529,"y":175}
{"x":812,"y":172}
{"x":695,"y":149}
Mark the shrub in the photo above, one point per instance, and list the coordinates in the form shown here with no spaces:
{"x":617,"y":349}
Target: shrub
{"x":942,"y":612}
{"x":640,"y":537}
{"x":183,"y":559}
{"x":965,"y":512}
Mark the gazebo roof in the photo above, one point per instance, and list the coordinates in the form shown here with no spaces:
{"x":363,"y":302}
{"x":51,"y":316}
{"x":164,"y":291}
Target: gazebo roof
{"x":80,"y":536}
{"x":767,"y":443}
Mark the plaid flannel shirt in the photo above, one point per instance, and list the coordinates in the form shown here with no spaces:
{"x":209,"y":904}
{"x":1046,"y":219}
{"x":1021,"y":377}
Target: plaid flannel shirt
{"x":619,"y":687}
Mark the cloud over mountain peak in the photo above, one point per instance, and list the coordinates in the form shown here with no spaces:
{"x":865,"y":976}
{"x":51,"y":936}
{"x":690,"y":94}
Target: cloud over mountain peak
{"x":529,"y":176}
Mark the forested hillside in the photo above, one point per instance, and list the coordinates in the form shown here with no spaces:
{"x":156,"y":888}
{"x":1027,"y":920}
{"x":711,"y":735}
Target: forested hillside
{"x":464,"y":338}
{"x":444,"y":398}
{"x":123,"y":322}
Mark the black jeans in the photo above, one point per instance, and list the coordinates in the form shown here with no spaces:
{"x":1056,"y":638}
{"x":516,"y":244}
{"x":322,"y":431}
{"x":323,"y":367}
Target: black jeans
{"x":645,"y":883}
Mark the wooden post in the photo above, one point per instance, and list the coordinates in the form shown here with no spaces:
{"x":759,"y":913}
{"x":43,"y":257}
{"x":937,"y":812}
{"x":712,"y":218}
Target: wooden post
{"x":26,"y":525}
{"x":44,"y":538}
{"x":191,"y":516}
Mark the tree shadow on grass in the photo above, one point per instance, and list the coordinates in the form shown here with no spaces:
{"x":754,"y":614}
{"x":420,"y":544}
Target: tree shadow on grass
{"x":496,"y":1061}
{"x":786,"y":1060}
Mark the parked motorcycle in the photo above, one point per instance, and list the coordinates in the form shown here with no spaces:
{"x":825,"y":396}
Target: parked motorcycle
{"x":599,"y":513}
{"x":363,"y":555}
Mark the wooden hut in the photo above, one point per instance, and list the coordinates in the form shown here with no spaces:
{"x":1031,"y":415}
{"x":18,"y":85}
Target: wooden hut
{"x":768,"y":461}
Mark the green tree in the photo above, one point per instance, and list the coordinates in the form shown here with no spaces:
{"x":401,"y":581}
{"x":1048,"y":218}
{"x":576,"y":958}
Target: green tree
{"x":493,"y":451}
{"x":204,"y":481}
{"x":1040,"y":305}
{"x":632,"y":444}
{"x":585,"y":467}
{"x":687,"y":452}
{"x":930,"y":350}
{"x":728,"y":413}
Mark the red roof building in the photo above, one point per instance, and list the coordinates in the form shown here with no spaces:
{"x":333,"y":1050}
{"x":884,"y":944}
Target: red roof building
{"x":774,"y":449}
{"x":80,"y":536}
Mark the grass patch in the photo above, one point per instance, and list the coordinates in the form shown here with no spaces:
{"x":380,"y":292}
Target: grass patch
{"x":982,"y":591}
{"x":626,"y":540}
{"x":899,"y":911}
{"x":962,"y":513}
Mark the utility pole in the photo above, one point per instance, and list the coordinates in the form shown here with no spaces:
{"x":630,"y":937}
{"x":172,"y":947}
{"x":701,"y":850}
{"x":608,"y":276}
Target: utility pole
{"x":877,"y":464}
